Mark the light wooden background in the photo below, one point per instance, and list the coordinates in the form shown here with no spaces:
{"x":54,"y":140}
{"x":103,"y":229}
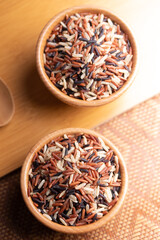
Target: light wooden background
{"x":37,"y":112}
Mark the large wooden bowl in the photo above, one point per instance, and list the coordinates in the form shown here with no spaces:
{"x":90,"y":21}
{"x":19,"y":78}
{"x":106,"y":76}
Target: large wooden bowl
{"x":56,"y":226}
{"x":42,"y":42}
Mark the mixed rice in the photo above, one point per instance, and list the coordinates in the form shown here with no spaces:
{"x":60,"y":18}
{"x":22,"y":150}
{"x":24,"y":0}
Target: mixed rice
{"x":87,"y":56}
{"x":74,"y":179}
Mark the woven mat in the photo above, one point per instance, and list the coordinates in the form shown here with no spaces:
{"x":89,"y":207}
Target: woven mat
{"x":137,"y":135}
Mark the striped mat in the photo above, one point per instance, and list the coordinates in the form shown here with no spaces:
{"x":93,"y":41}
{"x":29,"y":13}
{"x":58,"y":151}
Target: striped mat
{"x":137,"y":135}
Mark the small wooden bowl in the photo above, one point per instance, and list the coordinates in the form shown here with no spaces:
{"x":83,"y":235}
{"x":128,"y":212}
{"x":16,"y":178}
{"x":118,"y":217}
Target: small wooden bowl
{"x":59,"y":227}
{"x":7,"y":105}
{"x":42,"y":42}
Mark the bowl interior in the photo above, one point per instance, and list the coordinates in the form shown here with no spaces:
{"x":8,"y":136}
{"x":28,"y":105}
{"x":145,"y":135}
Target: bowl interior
{"x":72,"y":229}
{"x":42,"y":42}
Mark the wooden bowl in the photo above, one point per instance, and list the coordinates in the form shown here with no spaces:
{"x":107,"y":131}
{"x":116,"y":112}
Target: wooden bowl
{"x":7,"y":105}
{"x":59,"y":227}
{"x":42,"y":42}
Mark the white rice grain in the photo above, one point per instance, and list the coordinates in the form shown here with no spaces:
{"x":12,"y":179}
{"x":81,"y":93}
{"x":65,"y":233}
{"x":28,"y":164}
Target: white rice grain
{"x":78,"y":211}
{"x":99,"y":215}
{"x":65,"y":136}
{"x":77,"y":156}
{"x":55,"y":215}
{"x":87,"y":207}
{"x":63,"y":152}
{"x":62,"y":193}
{"x":41,"y":183}
{"x":57,"y":177}
{"x":71,"y":204}
{"x":110,"y":22}
{"x":64,"y":25}
{"x":41,"y":158}
{"x":58,"y":145}
{"x":101,"y":167}
{"x":89,"y":83}
{"x":50,"y":197}
{"x":109,"y":89}
{"x":80,"y":186}
{"x":44,"y":58}
{"x":100,"y":210}
{"x":77,"y":55}
{"x":60,"y":165}
{"x":47,"y":216}
{"x":50,"y":203}
{"x":85,"y":140}
{"x":110,"y":177}
{"x":108,"y":194}
{"x":69,"y":212}
{"x":48,"y":192}
{"x":113,"y":86}
{"x":76,"y":144}
{"x":52,"y":37}
{"x":97,"y":191}
{"x":30,"y":173}
{"x":128,"y":59}
{"x":71,"y":178}
{"x":101,"y":39}
{"x":63,"y":222}
{"x":73,"y":198}
{"x":115,"y":177}
{"x":106,"y":148}
{"x":102,"y":205}
{"x":77,"y":170}
{"x":45,"y":148}
{"x":71,"y":150}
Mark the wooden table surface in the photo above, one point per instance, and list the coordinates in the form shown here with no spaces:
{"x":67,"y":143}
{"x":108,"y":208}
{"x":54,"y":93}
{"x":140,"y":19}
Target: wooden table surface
{"x":37,"y":111}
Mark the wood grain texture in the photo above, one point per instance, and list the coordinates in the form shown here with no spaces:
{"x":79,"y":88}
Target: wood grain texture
{"x":73,"y":229}
{"x":37,"y":111}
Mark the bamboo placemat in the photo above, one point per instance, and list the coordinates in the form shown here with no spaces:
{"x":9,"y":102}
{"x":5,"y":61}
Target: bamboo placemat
{"x":137,"y":134}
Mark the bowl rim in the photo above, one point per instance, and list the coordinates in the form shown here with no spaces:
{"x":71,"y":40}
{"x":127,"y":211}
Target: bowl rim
{"x":72,"y":229}
{"x":52,"y":88}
